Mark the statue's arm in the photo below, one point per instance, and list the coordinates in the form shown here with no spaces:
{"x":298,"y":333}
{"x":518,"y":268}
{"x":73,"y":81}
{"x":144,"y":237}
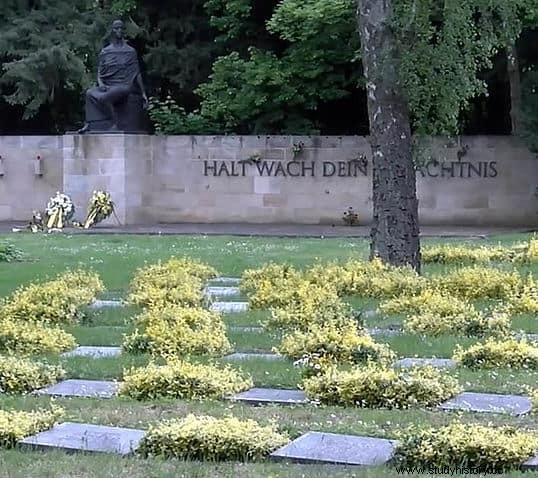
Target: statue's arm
{"x":100,"y":82}
{"x":140,"y":84}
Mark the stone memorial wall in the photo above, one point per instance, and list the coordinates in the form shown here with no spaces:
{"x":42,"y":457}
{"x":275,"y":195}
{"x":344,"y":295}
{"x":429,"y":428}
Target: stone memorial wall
{"x":479,"y":180}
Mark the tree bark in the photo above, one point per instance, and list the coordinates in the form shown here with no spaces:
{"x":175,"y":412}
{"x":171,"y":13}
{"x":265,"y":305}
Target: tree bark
{"x":514,"y":78}
{"x":395,"y":229}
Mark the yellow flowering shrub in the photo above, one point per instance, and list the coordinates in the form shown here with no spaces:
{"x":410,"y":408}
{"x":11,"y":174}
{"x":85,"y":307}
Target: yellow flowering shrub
{"x":374,"y":386}
{"x":493,"y":353}
{"x":21,"y":375}
{"x":470,"y":324}
{"x":211,"y":439}
{"x":453,"y":254}
{"x":181,"y":379}
{"x":160,"y":271}
{"x":467,"y":446}
{"x":525,"y":301}
{"x":335,"y":341}
{"x":136,"y":342}
{"x":155,"y":286}
{"x":528,"y":253}
{"x":477,"y":282}
{"x":269,"y":275}
{"x":309,"y":304}
{"x":30,"y":338}
{"x":176,"y":281}
{"x":333,"y":275}
{"x":174,"y":330}
{"x":395,"y":282}
{"x":88,"y":283}
{"x":15,"y":425}
{"x":58,"y":301}
{"x":428,"y":300}
{"x":367,"y":279}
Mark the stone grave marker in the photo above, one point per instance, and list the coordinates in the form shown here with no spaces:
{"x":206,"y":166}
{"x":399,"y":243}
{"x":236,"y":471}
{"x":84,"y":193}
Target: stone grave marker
{"x":531,"y":465}
{"x":422,"y":362}
{"x":331,"y":448}
{"x":246,"y":329}
{"x":81,"y":388}
{"x":489,"y":403}
{"x":384,"y":332}
{"x":93,"y":352}
{"x":99,"y":304}
{"x":229,"y":307}
{"x":222,"y":291}
{"x":246,"y":356}
{"x":225,"y":280}
{"x":265,"y":396}
{"x":73,"y":437}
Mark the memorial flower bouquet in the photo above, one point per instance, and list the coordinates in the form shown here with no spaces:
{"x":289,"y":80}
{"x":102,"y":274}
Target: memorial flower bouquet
{"x":100,"y":208}
{"x":60,"y":209}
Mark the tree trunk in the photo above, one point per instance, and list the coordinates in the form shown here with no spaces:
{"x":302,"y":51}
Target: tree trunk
{"x":514,"y":78}
{"x":395,"y":230}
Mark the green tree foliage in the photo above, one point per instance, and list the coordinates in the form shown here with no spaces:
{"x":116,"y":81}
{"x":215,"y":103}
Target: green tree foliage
{"x":279,"y":89}
{"x":44,"y":65}
{"x":263,"y":65}
{"x":49,"y":48}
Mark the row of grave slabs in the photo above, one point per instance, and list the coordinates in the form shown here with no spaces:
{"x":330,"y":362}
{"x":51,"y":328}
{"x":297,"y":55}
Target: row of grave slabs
{"x":312,"y":447}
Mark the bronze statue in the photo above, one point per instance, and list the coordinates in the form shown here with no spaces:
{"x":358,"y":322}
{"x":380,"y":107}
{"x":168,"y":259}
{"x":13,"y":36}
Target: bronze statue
{"x":119,"y":100}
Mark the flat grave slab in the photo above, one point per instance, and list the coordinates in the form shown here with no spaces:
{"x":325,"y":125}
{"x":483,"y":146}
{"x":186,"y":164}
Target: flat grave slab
{"x":229,"y":307}
{"x":222,"y":291}
{"x":369,"y":314}
{"x":384,"y":332}
{"x":528,"y":337}
{"x":80,"y":437}
{"x":489,"y":403}
{"x":531,"y":465}
{"x":246,"y":329}
{"x":93,"y":352}
{"x":81,"y":388}
{"x":99,"y":304}
{"x":225,"y":280}
{"x":422,"y":362}
{"x":267,"y":396}
{"x":246,"y":356}
{"x":316,"y":447}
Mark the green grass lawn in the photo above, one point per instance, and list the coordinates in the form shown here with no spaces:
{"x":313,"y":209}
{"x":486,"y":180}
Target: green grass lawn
{"x":116,"y":257}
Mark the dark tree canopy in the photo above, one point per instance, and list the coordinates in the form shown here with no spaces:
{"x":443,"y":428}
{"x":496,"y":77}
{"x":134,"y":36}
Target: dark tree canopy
{"x":243,"y":66}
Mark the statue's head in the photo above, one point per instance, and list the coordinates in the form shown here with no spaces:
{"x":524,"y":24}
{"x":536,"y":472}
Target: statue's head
{"x":118,"y":30}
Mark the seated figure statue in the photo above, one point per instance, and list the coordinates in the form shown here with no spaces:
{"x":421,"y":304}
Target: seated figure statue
{"x":119,"y":100}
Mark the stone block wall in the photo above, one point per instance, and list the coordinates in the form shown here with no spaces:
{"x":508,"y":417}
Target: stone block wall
{"x":479,"y":180}
{"x":25,"y":185}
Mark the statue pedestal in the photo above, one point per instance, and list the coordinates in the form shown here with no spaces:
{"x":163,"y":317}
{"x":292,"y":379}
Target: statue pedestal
{"x":117,"y":163}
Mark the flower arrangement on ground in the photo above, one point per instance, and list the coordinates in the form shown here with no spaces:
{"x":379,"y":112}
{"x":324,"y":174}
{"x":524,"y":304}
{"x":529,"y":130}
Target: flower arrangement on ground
{"x":100,"y":208}
{"x":60,"y":210}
